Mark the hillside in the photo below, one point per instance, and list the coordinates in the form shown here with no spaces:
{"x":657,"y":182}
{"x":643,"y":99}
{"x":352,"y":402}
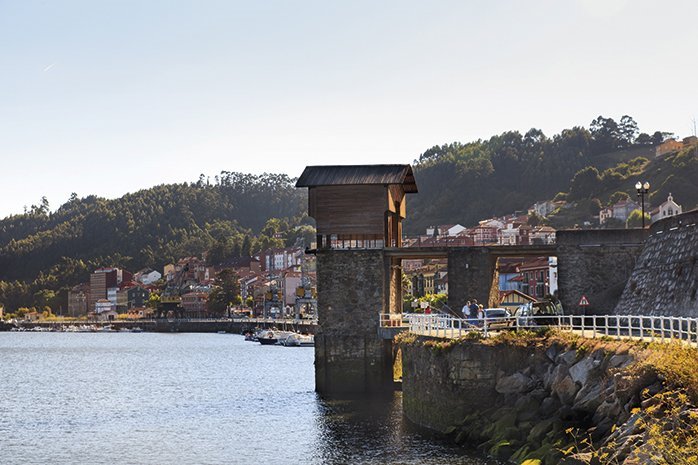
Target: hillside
{"x":237,"y":215}
{"x":465,"y":183}
{"x":43,"y":252}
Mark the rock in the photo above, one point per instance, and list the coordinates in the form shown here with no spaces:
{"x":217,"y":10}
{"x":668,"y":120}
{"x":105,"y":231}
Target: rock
{"x":548,"y":406}
{"x":548,"y":377}
{"x":582,"y":370}
{"x":552,"y":352}
{"x":539,"y":394}
{"x":620,"y":361}
{"x":625,"y":447}
{"x":513,"y":384}
{"x":568,"y":358}
{"x":566,"y":390}
{"x":602,"y":429}
{"x":608,"y":409}
{"x":527,"y":408}
{"x":651,"y":402}
{"x":518,"y":456}
{"x":539,"y":431}
{"x":585,"y":458}
{"x":566,"y":413}
{"x":588,"y":398}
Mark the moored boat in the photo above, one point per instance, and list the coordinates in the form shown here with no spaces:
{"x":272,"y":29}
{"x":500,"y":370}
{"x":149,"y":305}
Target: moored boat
{"x":299,"y":340}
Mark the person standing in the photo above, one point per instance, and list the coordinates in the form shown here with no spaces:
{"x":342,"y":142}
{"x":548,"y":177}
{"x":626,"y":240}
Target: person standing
{"x":473,"y":308}
{"x":466,"y":310}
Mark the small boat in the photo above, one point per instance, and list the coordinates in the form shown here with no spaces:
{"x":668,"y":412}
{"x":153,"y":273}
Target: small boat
{"x":272,"y":336}
{"x":299,"y":340}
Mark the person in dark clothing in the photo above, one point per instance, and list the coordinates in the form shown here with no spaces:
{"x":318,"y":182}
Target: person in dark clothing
{"x":474,"y":307}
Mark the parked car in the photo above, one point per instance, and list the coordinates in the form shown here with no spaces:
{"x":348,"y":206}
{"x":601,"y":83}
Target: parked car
{"x":497,"y":318}
{"x":545,"y":313}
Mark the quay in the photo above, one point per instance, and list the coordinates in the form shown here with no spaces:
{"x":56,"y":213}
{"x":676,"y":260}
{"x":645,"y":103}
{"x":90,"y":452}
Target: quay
{"x":182,"y":325}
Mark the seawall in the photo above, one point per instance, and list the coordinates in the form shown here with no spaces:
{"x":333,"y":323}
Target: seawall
{"x":525,"y":397}
{"x":665,"y":278}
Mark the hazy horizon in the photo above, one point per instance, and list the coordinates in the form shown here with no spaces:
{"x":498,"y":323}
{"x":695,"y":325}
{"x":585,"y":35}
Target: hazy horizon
{"x":109,"y":98}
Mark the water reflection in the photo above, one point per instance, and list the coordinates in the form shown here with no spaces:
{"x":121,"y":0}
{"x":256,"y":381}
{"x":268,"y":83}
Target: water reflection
{"x":374,"y":431}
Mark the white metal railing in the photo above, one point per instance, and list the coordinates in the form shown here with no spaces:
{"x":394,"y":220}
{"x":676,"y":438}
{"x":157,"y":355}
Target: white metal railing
{"x":392,"y":320}
{"x":641,"y":327}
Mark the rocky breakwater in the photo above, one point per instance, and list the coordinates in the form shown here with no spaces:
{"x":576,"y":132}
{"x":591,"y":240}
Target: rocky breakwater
{"x":555,"y":398}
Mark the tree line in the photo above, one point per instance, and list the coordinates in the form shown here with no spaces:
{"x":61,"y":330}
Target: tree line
{"x":42,"y":253}
{"x":466,"y":182}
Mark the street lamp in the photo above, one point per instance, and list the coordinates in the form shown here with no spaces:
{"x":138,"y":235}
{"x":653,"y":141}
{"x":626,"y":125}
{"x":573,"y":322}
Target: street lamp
{"x":642,"y":190}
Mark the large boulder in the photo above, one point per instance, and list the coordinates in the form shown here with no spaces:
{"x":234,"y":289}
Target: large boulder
{"x":518,"y":383}
{"x":583,"y":369}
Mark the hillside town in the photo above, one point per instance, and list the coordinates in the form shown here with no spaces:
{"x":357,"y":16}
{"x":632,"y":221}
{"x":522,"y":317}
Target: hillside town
{"x":280,"y":282}
{"x":520,"y":280}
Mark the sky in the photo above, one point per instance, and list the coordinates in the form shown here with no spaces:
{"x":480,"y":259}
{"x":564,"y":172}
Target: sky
{"x":107,"y":97}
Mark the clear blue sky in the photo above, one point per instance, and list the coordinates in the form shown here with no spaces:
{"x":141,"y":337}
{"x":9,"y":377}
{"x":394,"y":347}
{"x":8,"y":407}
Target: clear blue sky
{"x":108,"y":97}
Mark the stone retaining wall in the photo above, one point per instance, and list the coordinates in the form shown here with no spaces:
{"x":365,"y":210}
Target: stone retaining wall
{"x":517,"y":401}
{"x":665,"y":279}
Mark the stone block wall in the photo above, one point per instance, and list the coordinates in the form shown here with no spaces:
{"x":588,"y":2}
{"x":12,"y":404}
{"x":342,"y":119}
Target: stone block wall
{"x":665,"y":279}
{"x":596,"y":264}
{"x":350,"y":356}
{"x":518,"y":401}
{"x":471,"y":274}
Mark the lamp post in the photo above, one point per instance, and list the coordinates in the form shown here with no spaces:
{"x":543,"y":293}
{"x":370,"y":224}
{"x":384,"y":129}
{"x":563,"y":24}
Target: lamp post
{"x":642,"y":190}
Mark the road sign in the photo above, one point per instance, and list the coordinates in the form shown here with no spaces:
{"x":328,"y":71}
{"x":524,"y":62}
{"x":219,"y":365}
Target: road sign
{"x":583,"y":302}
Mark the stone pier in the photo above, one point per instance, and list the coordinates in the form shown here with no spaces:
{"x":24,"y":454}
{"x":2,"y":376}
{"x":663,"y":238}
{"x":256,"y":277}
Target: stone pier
{"x":350,"y":356}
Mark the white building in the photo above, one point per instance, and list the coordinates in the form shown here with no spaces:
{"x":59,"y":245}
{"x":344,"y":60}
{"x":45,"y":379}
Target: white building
{"x":666,"y":209}
{"x":543,"y":208}
{"x":508,"y":235}
{"x":103,"y":306}
{"x":552,"y":275}
{"x":147,"y":276}
{"x":281,"y":259}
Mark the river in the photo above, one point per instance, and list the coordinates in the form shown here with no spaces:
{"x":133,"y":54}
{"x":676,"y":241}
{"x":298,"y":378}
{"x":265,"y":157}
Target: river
{"x":150,"y":398}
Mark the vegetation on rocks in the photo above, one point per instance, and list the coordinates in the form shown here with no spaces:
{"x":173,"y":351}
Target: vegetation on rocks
{"x":576,"y":400}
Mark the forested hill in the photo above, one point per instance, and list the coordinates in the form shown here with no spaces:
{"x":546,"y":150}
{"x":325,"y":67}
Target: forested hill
{"x":150,"y":227}
{"x":43,"y":252}
{"x":464,"y":183}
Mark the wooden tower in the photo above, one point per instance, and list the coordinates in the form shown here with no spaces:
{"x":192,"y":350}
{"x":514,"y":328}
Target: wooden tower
{"x":358,"y":206}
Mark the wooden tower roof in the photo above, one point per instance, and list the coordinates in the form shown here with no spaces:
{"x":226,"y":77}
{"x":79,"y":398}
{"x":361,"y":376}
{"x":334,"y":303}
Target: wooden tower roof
{"x":339,"y":175}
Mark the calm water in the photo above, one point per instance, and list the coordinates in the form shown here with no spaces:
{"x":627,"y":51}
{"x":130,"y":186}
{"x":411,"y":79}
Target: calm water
{"x":145,"y":398}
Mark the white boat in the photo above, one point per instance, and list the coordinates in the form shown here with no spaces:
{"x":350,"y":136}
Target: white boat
{"x":272,"y":336}
{"x":299,"y":340}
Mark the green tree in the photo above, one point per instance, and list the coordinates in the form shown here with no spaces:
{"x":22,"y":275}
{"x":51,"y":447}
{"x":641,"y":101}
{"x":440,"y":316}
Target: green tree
{"x":225,"y":293}
{"x":594,"y":207}
{"x":153,"y":300}
{"x":585,"y":183}
{"x":617,"y":197}
{"x":635,"y":219}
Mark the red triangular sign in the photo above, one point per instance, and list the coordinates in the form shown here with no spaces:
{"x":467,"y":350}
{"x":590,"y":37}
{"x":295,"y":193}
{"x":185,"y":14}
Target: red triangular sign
{"x":583,"y":302}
